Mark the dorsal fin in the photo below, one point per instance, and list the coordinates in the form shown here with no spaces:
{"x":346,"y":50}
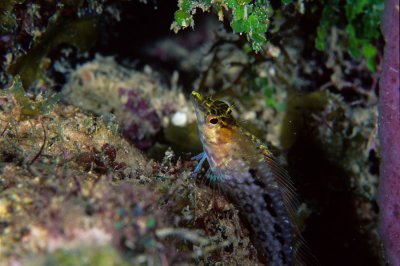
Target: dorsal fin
{"x":288,"y":190}
{"x":303,"y":255}
{"x":286,"y":185}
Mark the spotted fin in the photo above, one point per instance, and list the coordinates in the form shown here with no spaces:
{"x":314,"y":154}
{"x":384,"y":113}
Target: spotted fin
{"x":288,"y":190}
{"x":303,"y":255}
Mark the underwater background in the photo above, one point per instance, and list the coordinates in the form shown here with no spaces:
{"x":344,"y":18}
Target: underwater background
{"x":97,"y":129}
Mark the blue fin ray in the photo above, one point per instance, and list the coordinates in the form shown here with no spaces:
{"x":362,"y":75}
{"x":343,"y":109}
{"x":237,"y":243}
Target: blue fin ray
{"x":201,"y":157}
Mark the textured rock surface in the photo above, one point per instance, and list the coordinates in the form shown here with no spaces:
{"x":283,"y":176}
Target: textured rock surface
{"x":389,"y":128}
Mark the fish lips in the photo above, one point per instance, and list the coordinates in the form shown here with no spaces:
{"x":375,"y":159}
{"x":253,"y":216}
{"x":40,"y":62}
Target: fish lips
{"x":200,"y":108}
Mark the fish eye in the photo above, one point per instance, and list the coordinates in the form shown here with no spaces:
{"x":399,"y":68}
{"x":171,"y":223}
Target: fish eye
{"x":214,"y":120}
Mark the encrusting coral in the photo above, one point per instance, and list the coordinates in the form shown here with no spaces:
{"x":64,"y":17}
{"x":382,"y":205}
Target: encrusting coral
{"x":70,"y":184}
{"x":140,"y":102}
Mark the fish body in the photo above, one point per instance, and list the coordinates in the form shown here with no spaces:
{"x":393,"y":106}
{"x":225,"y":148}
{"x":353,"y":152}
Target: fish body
{"x":248,"y":174}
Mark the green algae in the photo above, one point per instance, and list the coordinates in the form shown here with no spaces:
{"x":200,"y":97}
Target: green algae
{"x":362,"y":22}
{"x":248,"y":17}
{"x":85,"y":256}
{"x":27,"y":107}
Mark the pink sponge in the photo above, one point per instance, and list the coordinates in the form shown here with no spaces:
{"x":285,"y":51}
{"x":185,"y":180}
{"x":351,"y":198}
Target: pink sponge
{"x":389,"y":132}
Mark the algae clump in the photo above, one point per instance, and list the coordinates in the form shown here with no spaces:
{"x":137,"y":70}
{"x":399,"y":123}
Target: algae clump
{"x":28,"y":108}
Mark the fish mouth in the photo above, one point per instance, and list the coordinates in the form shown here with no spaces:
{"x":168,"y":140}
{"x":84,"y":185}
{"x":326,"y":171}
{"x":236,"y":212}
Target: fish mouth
{"x":198,"y":102}
{"x":199,"y":107}
{"x":197,"y":96}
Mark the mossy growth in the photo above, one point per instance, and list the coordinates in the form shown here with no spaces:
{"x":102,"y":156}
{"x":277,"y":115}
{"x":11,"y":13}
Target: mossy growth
{"x":362,"y":22}
{"x":269,"y":91}
{"x":100,"y":256}
{"x":249,"y":17}
{"x":28,"y":108}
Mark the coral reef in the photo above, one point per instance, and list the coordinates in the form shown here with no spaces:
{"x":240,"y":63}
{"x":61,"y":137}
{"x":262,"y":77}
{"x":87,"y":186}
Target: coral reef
{"x":140,"y":102}
{"x":73,"y":189}
{"x":97,"y":131}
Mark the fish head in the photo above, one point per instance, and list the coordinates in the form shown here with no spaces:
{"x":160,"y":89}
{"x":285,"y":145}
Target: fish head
{"x":214,"y":119}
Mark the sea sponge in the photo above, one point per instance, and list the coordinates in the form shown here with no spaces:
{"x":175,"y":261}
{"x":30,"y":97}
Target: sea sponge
{"x":389,"y":128}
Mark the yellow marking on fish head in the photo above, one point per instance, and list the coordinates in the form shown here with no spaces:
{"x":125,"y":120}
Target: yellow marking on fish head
{"x":214,"y":118}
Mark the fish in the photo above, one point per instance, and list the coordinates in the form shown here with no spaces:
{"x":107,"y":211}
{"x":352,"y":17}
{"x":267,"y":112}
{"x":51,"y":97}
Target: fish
{"x":247,"y":172}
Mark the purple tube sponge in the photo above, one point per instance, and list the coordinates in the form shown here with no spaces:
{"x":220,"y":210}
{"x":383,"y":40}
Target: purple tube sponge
{"x":389,"y":132}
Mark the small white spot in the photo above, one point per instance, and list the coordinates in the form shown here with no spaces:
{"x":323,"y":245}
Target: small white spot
{"x":249,"y":116}
{"x":179,"y":119}
{"x":272,"y":71}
